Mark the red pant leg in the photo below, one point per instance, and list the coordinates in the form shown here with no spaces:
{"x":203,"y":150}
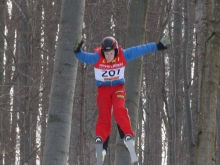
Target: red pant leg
{"x":120,"y":112}
{"x":104,"y":103}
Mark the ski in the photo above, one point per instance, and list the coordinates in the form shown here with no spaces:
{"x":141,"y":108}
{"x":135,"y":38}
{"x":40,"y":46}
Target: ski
{"x":99,"y":148}
{"x":130,"y":145}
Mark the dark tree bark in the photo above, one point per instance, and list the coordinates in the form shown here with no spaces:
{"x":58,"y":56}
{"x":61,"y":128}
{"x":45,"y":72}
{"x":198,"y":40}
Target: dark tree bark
{"x":208,"y":42}
{"x":2,"y":31}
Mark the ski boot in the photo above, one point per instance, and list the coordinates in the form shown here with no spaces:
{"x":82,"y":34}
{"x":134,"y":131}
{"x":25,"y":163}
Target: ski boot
{"x":129,"y":142}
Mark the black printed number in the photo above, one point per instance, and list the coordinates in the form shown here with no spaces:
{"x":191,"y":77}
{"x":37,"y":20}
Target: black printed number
{"x":110,"y":73}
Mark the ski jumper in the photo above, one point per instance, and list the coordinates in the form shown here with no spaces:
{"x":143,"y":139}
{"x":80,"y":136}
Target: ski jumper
{"x":110,"y":82}
{"x":111,"y":98}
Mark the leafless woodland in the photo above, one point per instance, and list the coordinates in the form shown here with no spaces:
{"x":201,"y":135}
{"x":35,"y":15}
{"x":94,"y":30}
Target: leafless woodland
{"x":177,"y":119}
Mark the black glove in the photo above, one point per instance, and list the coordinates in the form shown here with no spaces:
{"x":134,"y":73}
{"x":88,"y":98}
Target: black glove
{"x":162,"y":44}
{"x":78,"y":45}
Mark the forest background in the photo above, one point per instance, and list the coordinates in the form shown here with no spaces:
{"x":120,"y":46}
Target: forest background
{"x":48,"y":100}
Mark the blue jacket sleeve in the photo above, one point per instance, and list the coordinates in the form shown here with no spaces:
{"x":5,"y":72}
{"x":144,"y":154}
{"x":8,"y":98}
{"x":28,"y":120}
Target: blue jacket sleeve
{"x":138,"y":51}
{"x":88,"y":58}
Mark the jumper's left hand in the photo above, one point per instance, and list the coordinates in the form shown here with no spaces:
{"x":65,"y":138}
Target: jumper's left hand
{"x":164,"y":42}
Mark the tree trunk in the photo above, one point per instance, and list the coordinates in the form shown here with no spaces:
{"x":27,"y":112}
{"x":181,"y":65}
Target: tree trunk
{"x":2,"y":48}
{"x":177,"y":76}
{"x":208,"y":19}
{"x":153,"y":72}
{"x":186,"y":85}
{"x":50,"y":27}
{"x":23,"y":69}
{"x":10,"y":119}
{"x":35,"y":72}
{"x":218,"y":128}
{"x":133,"y":74}
{"x":57,"y":140}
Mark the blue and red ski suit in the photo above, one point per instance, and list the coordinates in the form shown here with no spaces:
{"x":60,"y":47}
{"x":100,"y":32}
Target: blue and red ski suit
{"x":110,"y":82}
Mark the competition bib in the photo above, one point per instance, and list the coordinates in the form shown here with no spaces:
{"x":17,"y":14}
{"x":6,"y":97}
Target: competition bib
{"x":110,"y":71}
{"x":109,"y":75}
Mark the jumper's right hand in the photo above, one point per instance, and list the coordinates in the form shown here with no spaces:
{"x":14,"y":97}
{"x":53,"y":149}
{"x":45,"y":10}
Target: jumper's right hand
{"x":78,"y":45}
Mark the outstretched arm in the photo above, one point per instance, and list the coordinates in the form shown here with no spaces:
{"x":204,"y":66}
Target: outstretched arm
{"x":138,"y":51}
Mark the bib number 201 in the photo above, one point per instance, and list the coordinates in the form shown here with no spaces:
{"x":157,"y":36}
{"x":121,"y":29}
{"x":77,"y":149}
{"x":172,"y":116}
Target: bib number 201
{"x":110,"y":73}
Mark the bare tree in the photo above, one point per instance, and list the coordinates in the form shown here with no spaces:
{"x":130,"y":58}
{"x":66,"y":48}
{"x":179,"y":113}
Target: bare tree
{"x":153,"y":71}
{"x":163,"y":96}
{"x":135,"y":36}
{"x":23,"y":70}
{"x":186,"y":84}
{"x":218,"y":128}
{"x":35,"y":73}
{"x":2,"y":31}
{"x":176,"y":75}
{"x":57,"y":140}
{"x":50,"y":26}
{"x":10,"y":113}
{"x":208,"y":49}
